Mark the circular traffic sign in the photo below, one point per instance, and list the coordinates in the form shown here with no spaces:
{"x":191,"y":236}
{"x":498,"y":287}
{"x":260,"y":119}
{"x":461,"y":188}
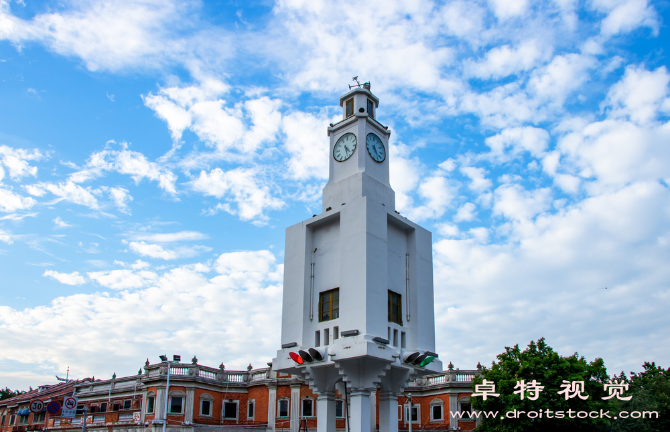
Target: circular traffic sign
{"x":36,"y":406}
{"x":70,"y":403}
{"x":53,"y":407}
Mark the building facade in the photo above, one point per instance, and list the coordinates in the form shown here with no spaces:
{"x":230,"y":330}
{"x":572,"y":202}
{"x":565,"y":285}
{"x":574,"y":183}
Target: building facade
{"x":207,"y":399}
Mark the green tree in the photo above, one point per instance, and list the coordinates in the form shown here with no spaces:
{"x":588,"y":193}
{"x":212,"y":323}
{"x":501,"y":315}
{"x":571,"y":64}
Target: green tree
{"x":649,"y":391}
{"x":539,"y":362}
{"x":6,"y":393}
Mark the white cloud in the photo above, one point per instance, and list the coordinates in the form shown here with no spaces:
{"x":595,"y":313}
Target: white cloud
{"x":178,"y":308}
{"x":121,"y":198}
{"x":437,"y":194}
{"x":465,"y":213}
{"x":152,"y":250}
{"x":241,"y":188}
{"x":530,"y":139}
{"x":123,"y":279}
{"x":306,"y":144}
{"x":16,"y":162}
{"x":68,"y":191}
{"x":73,"y":278}
{"x":553,"y":276}
{"x":640,"y":94}
{"x":11,"y":202}
{"x":505,"y":9}
{"x":60,"y":223}
{"x":478,"y":180}
{"x":504,"y":61}
{"x":405,"y":173}
{"x":625,"y":15}
{"x":171,"y":237}
{"x":127,"y":162}
{"x":118,"y":35}
{"x":516,"y":203}
{"x":5,"y":237}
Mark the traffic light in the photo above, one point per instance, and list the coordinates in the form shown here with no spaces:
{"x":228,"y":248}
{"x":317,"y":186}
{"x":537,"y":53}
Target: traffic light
{"x":308,"y":356}
{"x":417,"y":358}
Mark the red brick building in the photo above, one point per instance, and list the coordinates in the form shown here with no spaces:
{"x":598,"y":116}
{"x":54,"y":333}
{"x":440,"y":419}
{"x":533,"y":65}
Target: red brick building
{"x":206,"y":399}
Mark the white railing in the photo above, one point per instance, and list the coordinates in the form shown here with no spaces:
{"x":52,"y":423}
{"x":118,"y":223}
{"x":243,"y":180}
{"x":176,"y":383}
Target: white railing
{"x":76,"y":421}
{"x":207,"y":374}
{"x":125,"y":417}
{"x":439,"y":379}
{"x":178,"y":371}
{"x":235,"y":377}
{"x":258,"y":376}
{"x":99,"y":419}
{"x":465,"y":376}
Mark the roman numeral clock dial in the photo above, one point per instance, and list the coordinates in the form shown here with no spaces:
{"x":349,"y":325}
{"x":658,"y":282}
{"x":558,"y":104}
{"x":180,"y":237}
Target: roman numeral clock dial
{"x":344,"y":147}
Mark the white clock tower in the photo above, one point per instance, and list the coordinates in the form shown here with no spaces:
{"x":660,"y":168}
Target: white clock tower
{"x":358,"y":312}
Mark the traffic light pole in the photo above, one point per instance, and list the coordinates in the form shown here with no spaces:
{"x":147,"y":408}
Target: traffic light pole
{"x":167,"y":397}
{"x":409,"y":395}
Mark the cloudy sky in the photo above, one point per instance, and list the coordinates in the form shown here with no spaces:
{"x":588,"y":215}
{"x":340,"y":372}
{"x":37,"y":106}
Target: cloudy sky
{"x":152,"y":153}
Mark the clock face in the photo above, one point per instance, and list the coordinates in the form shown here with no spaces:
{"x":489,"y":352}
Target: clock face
{"x":344,"y":147}
{"x":375,"y":147}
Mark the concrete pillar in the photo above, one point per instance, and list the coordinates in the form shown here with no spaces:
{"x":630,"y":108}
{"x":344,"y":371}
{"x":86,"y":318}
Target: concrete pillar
{"x":360,"y":410}
{"x":295,"y":408}
{"x":272,"y":408}
{"x":159,"y":404}
{"x":325,"y":408}
{"x":453,"y":408}
{"x":188,"y":408}
{"x":388,"y":412}
{"x":373,"y":410}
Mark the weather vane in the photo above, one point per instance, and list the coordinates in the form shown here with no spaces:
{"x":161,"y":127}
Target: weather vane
{"x":365,"y":85}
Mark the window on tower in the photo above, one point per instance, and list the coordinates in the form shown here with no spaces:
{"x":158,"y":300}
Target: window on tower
{"x":371,"y":108}
{"x":329,"y":305}
{"x":349,"y":105}
{"x":395,"y":308}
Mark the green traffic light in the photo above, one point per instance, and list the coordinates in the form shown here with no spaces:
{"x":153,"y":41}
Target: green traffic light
{"x":427,"y":361}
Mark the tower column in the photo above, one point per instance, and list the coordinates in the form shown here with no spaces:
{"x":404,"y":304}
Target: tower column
{"x":388,"y":412}
{"x":295,"y":408}
{"x":325,"y":409}
{"x":359,"y":418}
{"x":272,"y":406}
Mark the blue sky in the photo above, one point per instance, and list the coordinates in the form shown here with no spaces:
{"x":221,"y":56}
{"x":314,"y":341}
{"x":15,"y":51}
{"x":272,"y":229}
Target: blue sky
{"x":152,"y":154}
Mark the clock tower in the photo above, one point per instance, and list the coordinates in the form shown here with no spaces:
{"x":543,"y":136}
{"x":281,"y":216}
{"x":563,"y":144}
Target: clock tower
{"x":358,"y":311}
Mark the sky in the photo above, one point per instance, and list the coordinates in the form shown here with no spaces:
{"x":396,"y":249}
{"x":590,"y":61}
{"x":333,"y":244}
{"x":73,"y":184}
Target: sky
{"x":153,"y":152}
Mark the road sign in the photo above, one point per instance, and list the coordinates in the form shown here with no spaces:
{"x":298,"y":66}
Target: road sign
{"x":69,"y":407}
{"x":53,"y":407}
{"x":36,"y":406}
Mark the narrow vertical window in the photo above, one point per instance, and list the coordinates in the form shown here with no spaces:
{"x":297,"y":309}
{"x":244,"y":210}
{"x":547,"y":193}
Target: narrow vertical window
{"x":283,"y":408}
{"x":403,"y":340}
{"x":250,"y":409}
{"x":349,"y":107}
{"x":317,"y":338}
{"x":339,"y":408}
{"x":371,"y":108}
{"x":395,"y":308}
{"x":395,"y":337}
{"x":329,"y":305}
{"x":205,"y":408}
{"x":326,"y":336}
{"x":336,"y":332}
{"x":150,"y":405}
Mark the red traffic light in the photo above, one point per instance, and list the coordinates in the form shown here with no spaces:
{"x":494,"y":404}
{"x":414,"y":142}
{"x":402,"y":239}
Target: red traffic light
{"x":296,"y":358}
